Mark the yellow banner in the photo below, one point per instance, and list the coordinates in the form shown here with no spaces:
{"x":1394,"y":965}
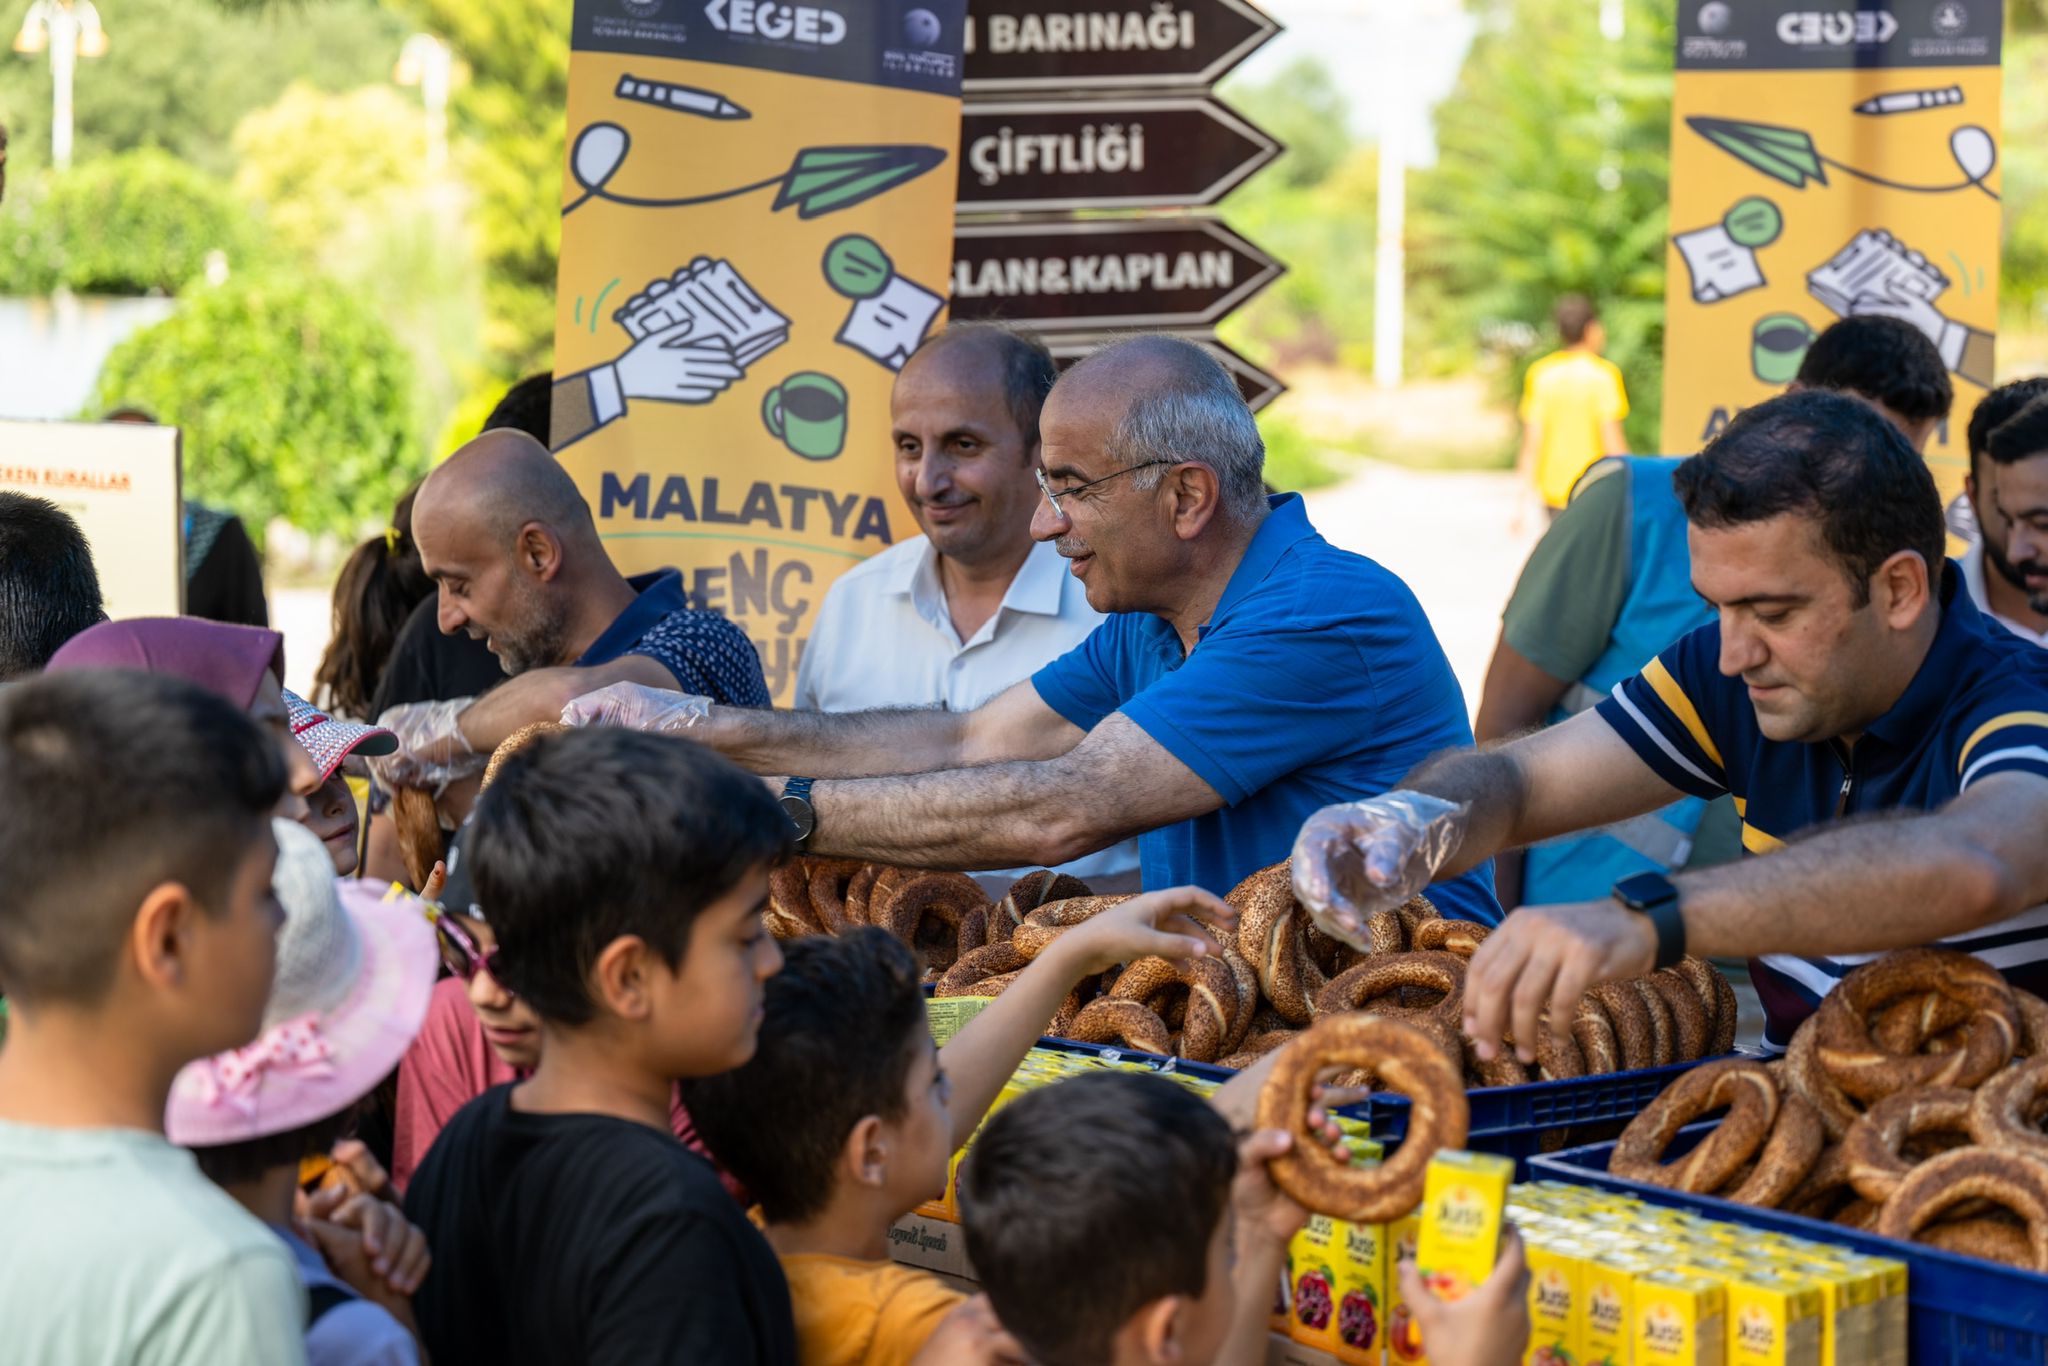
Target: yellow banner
{"x":757,"y":230}
{"x":1826,"y":164}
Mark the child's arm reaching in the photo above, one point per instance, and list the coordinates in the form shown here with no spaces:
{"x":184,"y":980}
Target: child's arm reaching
{"x":984,"y":1054}
{"x":1264,"y":1219}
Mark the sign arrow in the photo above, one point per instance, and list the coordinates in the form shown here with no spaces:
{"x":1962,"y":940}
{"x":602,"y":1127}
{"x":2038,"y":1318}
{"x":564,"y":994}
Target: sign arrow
{"x":1068,"y":45}
{"x":1159,"y":152}
{"x":1084,"y":277}
{"x":1258,"y":387}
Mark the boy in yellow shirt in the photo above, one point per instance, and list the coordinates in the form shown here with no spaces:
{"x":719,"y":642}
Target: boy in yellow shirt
{"x":1573,"y":403}
{"x":848,"y":1115}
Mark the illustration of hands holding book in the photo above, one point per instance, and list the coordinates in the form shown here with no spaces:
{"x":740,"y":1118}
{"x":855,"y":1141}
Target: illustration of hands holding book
{"x":694,"y":333}
{"x":1878,"y":275}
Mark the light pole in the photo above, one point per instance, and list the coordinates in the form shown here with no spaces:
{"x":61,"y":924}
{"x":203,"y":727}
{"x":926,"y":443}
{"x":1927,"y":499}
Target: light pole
{"x":426,"y":62}
{"x":68,"y":30}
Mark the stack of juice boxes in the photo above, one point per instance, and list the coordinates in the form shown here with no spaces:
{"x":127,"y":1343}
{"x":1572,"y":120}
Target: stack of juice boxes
{"x":1612,"y":1281}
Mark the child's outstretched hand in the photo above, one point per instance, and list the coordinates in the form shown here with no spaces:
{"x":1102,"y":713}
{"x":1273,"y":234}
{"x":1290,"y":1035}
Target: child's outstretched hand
{"x":381,"y":1247}
{"x":1263,"y":1210}
{"x":970,"y":1336}
{"x":1173,"y":924}
{"x":1490,"y":1326}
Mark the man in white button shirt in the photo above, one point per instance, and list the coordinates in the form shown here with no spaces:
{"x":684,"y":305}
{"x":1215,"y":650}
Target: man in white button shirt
{"x":2006,"y":570}
{"x":953,"y":617}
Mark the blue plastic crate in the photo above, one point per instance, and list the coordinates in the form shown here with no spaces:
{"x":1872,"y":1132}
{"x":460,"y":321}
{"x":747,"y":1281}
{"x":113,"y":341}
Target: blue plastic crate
{"x":1113,"y":1052}
{"x":1959,"y":1309}
{"x":1512,"y":1120}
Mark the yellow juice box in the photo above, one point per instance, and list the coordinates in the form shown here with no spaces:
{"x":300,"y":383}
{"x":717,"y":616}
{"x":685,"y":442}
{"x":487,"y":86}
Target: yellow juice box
{"x":1464,"y":1197}
{"x":1358,"y":1331}
{"x":1605,"y":1323}
{"x":1848,"y":1307}
{"x":946,"y":1206}
{"x":1885,"y":1282}
{"x":1556,"y":1300}
{"x":1773,"y":1320}
{"x":1311,"y":1281}
{"x":1679,"y":1319}
{"x":1404,"y":1339}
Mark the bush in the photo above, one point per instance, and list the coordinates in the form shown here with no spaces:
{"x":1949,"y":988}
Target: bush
{"x":294,"y":398}
{"x":138,"y":223}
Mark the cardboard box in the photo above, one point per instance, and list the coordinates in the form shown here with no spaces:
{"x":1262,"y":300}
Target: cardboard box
{"x":934,"y":1244}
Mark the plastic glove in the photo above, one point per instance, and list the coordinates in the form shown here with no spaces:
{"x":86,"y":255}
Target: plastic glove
{"x":1356,"y":860}
{"x":432,"y":751}
{"x":638,"y":707}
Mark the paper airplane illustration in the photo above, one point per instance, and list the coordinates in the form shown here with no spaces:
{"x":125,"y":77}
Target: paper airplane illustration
{"x":823,"y":180}
{"x":1786,"y":154}
{"x":819,"y":181}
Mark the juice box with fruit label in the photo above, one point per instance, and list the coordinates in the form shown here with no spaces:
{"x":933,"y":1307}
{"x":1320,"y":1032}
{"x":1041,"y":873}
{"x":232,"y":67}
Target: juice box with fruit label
{"x":1404,"y":1340}
{"x":1311,"y":1281}
{"x":1358,"y":1332}
{"x":1464,"y":1197}
{"x":1604,"y":1324}
{"x":1556,"y":1300}
{"x":1678,"y":1319}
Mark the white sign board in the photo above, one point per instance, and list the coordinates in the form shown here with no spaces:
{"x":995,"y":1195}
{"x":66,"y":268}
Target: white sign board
{"x":120,"y":482}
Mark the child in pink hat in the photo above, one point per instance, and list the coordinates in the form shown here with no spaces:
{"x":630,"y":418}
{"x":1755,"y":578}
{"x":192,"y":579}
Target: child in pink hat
{"x":355,"y":966}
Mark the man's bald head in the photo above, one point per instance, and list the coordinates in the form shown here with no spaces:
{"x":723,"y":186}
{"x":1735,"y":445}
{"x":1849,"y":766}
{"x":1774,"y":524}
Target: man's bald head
{"x":1026,"y":369}
{"x":500,"y":482}
{"x":1167,"y":399}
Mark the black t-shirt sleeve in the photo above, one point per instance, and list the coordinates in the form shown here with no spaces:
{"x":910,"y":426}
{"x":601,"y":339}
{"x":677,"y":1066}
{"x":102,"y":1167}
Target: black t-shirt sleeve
{"x":228,"y":584}
{"x":677,"y":1291}
{"x":426,"y":666}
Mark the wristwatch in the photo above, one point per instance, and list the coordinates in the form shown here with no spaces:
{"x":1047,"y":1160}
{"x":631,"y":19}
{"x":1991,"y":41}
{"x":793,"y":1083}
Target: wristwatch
{"x":1653,"y":895}
{"x":796,"y":804}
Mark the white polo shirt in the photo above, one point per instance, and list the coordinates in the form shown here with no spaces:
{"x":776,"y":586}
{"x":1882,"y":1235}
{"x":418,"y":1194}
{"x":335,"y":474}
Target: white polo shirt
{"x":1973,"y":579}
{"x":884,"y":638}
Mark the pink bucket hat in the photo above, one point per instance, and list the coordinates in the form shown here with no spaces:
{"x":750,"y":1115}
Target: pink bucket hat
{"x":355,"y":967}
{"x":330,"y":741}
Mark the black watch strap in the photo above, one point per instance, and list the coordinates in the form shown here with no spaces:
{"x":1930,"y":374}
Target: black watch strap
{"x":1653,"y":895}
{"x":796,"y":804}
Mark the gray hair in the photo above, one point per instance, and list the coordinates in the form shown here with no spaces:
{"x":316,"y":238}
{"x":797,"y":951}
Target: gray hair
{"x":1193,"y":412}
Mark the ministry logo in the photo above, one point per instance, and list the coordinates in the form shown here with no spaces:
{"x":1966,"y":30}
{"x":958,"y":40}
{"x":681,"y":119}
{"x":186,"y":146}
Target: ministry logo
{"x":1714,"y":17}
{"x":1950,"y":18}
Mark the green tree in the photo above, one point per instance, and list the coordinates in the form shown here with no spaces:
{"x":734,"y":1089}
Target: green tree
{"x":139,"y":222}
{"x":322,"y":165}
{"x":1552,"y":175}
{"x":510,"y":107}
{"x":179,"y":75}
{"x":1302,"y":107}
{"x":294,"y":400}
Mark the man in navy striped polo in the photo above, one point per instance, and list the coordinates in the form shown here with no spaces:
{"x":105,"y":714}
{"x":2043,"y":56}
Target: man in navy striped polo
{"x":1886,"y":747}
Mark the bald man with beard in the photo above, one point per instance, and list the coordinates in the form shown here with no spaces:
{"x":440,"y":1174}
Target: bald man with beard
{"x":511,"y":545}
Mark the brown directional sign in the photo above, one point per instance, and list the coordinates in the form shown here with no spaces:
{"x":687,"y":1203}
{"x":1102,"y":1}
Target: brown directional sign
{"x":1173,"y":151}
{"x":1086,"y":277}
{"x":1258,"y":387}
{"x":1067,"y":45}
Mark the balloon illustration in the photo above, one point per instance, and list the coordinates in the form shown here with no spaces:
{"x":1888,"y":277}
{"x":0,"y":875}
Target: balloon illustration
{"x":1973,"y":150}
{"x":599,"y":149}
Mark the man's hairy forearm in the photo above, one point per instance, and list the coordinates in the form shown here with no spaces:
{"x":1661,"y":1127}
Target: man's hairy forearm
{"x":996,"y":816}
{"x":1886,"y":883}
{"x":834,"y":744}
{"x":1489,"y":782}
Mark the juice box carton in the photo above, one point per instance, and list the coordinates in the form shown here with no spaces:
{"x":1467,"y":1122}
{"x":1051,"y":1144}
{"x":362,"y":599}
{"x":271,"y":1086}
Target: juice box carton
{"x":1849,"y":1306}
{"x":1606,"y":1321}
{"x":1679,"y":1319}
{"x":1885,"y":1281}
{"x":1556,"y":1300}
{"x":1464,"y":1197}
{"x":1311,"y":1281}
{"x":1404,"y":1339}
{"x":1773,"y":1320}
{"x":1359,"y":1331}
{"x":946,"y":1206}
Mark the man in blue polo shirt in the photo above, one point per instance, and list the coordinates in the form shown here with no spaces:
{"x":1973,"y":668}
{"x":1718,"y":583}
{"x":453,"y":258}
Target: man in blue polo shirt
{"x":1884,"y":746}
{"x":1249,"y":672}
{"x":510,"y":543}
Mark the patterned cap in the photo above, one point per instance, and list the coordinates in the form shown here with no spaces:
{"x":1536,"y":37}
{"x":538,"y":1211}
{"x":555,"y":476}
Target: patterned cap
{"x":330,"y":741}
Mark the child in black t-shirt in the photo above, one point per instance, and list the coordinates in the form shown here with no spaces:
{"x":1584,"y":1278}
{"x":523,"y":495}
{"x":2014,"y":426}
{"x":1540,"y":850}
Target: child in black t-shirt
{"x":625,"y":875}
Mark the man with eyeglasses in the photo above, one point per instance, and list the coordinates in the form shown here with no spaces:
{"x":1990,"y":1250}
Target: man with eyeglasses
{"x":1247,"y":673}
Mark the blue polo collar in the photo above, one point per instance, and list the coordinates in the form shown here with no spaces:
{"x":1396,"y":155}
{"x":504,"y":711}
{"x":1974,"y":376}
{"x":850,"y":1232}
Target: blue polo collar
{"x":1928,"y":697}
{"x":658,"y":594}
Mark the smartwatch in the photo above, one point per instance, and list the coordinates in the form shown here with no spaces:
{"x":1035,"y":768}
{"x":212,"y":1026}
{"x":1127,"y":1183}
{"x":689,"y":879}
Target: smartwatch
{"x":1652,"y":895}
{"x":796,"y":804}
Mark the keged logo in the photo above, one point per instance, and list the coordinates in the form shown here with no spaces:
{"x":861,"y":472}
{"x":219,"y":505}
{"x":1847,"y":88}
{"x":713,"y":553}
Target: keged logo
{"x":1836,"y":28}
{"x":1950,"y":19}
{"x":641,"y":9}
{"x":817,"y":25}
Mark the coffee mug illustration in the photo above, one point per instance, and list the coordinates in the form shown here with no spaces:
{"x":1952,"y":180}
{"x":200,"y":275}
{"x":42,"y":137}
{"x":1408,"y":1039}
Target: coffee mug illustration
{"x":1778,"y":345}
{"x":807,"y":413}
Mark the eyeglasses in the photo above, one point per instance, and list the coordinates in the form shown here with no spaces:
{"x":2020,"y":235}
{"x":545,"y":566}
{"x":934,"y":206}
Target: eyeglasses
{"x":460,"y":952}
{"x":1054,"y":498}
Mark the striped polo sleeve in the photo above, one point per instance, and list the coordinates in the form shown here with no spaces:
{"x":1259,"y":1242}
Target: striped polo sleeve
{"x":2013,"y":739}
{"x":1663,"y":713}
